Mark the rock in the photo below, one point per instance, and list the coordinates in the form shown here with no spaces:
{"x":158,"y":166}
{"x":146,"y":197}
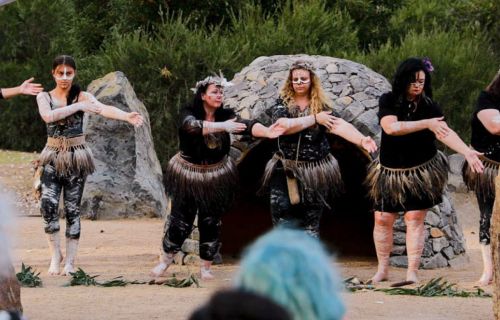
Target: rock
{"x":436,"y":261}
{"x":179,"y":257}
{"x":427,"y":252}
{"x":191,"y":246}
{"x":195,"y":235}
{"x":128,"y":177}
{"x":439,"y":243}
{"x":399,"y":224}
{"x":398,"y":250}
{"x":400,"y":238}
{"x":456,"y":161}
{"x":191,"y":260}
{"x":458,"y":247}
{"x":448,"y":252}
{"x":436,"y":233}
{"x":459,"y":262}
{"x":432,"y":219}
{"x":399,"y":261}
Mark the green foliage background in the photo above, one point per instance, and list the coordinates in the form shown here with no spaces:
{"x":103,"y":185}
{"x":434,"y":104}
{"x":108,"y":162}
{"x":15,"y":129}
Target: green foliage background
{"x":164,"y":46}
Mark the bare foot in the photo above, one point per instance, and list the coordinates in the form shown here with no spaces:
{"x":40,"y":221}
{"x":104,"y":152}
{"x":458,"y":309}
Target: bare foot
{"x":159,"y":270}
{"x":206,"y":274}
{"x":54,"y":268}
{"x":68,"y":268}
{"x":379,"y":277}
{"x":486,"y":279}
{"x":412,"y":276}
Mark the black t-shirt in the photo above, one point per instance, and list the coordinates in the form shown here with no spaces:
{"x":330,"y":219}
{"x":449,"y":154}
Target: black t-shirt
{"x":310,"y":144}
{"x":411,"y":149}
{"x":482,"y":140}
{"x":205,"y":149}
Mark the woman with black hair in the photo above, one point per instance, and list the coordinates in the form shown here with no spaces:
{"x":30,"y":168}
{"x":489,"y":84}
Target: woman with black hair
{"x":66,"y":159}
{"x":410,"y":174}
{"x":486,"y":139}
{"x":201,"y":179}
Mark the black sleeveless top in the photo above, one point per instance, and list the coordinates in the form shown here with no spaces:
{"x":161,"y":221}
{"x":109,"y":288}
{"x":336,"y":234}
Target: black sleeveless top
{"x":69,"y":127}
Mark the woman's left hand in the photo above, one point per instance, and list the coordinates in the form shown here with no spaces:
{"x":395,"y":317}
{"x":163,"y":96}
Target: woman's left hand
{"x":472,"y":157}
{"x":275,"y":130}
{"x":368,"y":144}
{"x":135,"y":119}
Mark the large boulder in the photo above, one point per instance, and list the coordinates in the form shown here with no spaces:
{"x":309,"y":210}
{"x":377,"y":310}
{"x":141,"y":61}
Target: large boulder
{"x":128,"y":177}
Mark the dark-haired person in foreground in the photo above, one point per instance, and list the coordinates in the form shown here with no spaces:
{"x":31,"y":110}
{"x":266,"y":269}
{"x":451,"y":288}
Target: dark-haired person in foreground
{"x":202,"y":179}
{"x":410,"y":174}
{"x":25,"y":88}
{"x":486,"y":139}
{"x":66,"y":158}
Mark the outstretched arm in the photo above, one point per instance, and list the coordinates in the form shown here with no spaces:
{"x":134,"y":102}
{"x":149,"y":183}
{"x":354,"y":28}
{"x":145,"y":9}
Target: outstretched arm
{"x":48,"y":115}
{"x":27,"y":88}
{"x":230,"y":126}
{"x":347,"y":131}
{"x":453,"y":141}
{"x":111,"y":112}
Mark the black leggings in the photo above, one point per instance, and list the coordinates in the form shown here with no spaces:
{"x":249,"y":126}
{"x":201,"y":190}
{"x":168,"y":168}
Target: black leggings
{"x":485,"y":202}
{"x":180,"y":225}
{"x":305,"y":215}
{"x":72,"y":188}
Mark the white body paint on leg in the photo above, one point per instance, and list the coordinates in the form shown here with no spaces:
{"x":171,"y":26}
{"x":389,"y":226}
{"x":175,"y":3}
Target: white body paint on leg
{"x":71,"y":250}
{"x":487,"y":276}
{"x":205,"y":271}
{"x":166,"y":259}
{"x":55,"y":252}
{"x":383,"y":238}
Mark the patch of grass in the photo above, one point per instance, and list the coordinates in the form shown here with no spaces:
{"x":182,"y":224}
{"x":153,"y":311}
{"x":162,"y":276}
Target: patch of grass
{"x":28,"y":278}
{"x":81,"y":278}
{"x":437,"y":287}
{"x":16,"y":157}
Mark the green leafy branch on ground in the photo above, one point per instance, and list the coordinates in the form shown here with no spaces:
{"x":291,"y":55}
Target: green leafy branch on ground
{"x":28,"y":278}
{"x":437,"y":287}
{"x":81,"y":278}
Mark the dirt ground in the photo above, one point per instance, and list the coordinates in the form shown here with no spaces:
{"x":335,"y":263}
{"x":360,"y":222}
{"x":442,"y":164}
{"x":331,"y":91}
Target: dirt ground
{"x":129,"y":248}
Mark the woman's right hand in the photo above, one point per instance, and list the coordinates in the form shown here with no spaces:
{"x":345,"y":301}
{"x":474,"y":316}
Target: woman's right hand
{"x":438,"y":126}
{"x":231,"y":126}
{"x":326,"y":119}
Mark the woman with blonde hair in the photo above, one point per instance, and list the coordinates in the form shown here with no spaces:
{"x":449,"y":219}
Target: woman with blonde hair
{"x":303,"y":173}
{"x":486,"y":139}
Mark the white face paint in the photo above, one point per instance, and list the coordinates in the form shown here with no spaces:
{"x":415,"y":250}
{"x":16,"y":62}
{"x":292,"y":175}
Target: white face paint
{"x":65,"y":75}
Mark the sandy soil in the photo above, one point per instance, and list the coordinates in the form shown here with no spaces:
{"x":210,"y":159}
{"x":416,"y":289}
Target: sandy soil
{"x":129,"y":248}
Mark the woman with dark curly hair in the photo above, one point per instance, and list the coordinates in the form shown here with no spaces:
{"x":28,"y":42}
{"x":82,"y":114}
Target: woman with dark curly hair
{"x":486,"y":139}
{"x":410,"y":174}
{"x":202,"y":179}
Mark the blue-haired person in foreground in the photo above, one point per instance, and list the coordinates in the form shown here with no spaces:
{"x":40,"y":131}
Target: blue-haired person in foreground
{"x":293,"y":269}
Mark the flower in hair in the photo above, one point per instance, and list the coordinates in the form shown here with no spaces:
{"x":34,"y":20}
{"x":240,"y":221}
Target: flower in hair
{"x":218,"y":80}
{"x":303,"y":64}
{"x":428,"y":64}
